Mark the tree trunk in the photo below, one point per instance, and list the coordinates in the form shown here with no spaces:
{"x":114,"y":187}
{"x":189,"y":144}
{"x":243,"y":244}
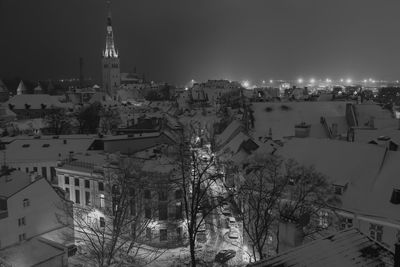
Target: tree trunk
{"x":192,"y":251}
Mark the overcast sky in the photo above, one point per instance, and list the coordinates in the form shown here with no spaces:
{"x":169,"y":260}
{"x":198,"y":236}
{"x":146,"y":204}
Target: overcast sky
{"x":177,"y":40}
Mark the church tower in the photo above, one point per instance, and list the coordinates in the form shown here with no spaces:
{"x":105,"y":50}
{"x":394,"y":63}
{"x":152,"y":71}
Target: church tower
{"x":110,"y":61}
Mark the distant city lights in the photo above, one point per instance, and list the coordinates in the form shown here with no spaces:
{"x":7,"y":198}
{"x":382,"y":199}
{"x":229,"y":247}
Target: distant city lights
{"x":300,"y":80}
{"x":312,"y":80}
{"x":348,"y":81}
{"x":271,"y":81}
{"x":246,"y":84}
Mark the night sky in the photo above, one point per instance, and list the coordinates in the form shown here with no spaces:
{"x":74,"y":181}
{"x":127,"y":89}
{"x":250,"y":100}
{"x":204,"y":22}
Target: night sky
{"x":179,"y":40}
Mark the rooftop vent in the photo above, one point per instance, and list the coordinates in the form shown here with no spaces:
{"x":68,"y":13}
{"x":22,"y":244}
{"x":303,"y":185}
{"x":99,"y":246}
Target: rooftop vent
{"x":26,"y":145}
{"x":395,"y":199}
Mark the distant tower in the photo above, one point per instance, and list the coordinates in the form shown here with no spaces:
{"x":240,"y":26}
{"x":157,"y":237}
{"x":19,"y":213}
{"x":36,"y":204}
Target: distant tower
{"x":21,"y":88}
{"x":110,"y":61}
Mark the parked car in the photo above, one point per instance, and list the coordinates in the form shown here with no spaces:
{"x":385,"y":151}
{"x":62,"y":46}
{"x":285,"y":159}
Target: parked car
{"x":233,"y":233}
{"x":231,"y":222}
{"x":225,"y":255}
{"x":226,"y":210}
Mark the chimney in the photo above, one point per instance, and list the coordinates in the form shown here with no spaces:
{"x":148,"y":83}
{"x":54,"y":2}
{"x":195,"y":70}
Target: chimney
{"x":397,"y":254}
{"x":302,"y":130}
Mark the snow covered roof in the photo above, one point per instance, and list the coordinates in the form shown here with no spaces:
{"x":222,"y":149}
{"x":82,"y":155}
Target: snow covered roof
{"x":365,"y":111}
{"x":30,"y":253}
{"x":103,"y":98}
{"x":344,"y":248}
{"x":13,"y":182}
{"x":35,"y":101}
{"x":283,"y":119}
{"x":230,"y":132}
{"x":369,"y":172}
{"x":366,"y":135}
{"x":34,"y":150}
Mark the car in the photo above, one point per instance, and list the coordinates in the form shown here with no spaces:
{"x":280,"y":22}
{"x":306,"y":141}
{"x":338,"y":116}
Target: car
{"x":231,"y":222}
{"x":225,"y":210}
{"x":225,"y":255}
{"x":233,"y":233}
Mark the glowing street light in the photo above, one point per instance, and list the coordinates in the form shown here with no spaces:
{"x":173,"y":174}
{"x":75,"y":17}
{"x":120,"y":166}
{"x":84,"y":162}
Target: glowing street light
{"x":365,"y":80}
{"x":246,"y":84}
{"x":312,"y":80}
{"x":271,"y":81}
{"x":263,"y":81}
{"x":348,"y":81}
{"x":341,"y":80}
{"x":300,"y":80}
{"x":328,"y":80}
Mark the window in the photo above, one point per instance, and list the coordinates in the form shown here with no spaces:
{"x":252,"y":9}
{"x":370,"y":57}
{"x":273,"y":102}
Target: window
{"x":162,"y":211}
{"x":35,"y":169}
{"x":21,"y":237}
{"x":178,"y":211}
{"x":77,"y":197}
{"x":162,"y":195}
{"x":376,"y":232}
{"x":52,"y":172}
{"x":323,"y":219}
{"x":21,"y":221}
{"x":102,"y":222}
{"x":338,"y":189}
{"x":147,"y":194}
{"x":102,"y":201}
{"x":178,"y":194}
{"x":76,"y":181}
{"x":163,"y":234}
{"x":87,"y":184}
{"x":26,"y":169}
{"x":395,"y":199}
{"x":346,"y":223}
{"x":25,"y":203}
{"x":101,"y":186}
{"x":147,"y":212}
{"x":148,"y":233}
{"x":66,"y":180}
{"x":44,"y":172}
{"x":87,"y":198}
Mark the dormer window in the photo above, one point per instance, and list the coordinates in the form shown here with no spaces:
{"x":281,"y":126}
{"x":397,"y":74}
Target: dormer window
{"x":338,"y":189}
{"x":395,"y":199}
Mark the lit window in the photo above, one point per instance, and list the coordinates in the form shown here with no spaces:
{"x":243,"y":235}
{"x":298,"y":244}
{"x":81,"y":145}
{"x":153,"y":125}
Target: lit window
{"x":102,"y":204}
{"x":25,"y":203}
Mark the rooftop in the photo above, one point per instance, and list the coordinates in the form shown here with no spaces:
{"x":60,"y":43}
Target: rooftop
{"x":35,"y":101}
{"x":282,"y":120}
{"x":30,"y":253}
{"x":13,"y":182}
{"x":345,"y":248}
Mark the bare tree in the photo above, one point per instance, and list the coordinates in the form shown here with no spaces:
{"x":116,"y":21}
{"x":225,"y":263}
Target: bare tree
{"x":58,"y":122}
{"x":197,"y":179}
{"x":109,"y":119}
{"x":111,"y":232}
{"x":274,"y":188}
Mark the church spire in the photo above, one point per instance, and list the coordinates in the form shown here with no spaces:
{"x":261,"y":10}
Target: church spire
{"x":110,"y":51}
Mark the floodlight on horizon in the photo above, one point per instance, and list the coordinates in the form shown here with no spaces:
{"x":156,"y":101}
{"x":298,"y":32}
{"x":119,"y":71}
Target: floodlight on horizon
{"x":246,"y":84}
{"x":348,"y":81}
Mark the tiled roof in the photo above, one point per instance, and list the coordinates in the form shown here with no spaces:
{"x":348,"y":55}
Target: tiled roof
{"x":345,"y":248}
{"x":35,"y":101}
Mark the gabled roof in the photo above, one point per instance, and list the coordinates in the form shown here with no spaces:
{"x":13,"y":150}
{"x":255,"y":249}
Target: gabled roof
{"x":345,"y":248}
